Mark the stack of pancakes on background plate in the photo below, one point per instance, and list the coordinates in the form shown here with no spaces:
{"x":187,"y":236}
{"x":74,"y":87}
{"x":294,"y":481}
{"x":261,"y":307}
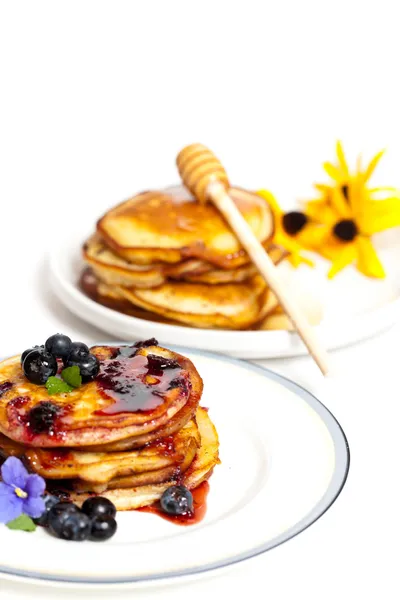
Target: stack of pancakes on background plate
{"x":164,"y":256}
{"x":129,"y":435}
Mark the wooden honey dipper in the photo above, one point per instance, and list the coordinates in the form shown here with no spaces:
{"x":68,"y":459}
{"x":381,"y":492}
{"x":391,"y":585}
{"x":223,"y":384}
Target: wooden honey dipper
{"x":206,"y":178}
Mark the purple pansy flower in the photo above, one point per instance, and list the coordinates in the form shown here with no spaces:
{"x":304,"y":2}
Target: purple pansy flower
{"x":20,"y":492}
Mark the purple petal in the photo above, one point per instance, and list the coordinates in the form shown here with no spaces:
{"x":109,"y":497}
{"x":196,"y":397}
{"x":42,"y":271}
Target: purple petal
{"x":13,"y":472}
{"x":35,"y":485}
{"x":33,"y":507}
{"x":10,"y":504}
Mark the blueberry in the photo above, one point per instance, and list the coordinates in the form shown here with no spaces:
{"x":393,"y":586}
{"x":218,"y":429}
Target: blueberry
{"x":41,"y":417}
{"x":99,"y":507}
{"x":59,"y":345}
{"x":75,"y":527}
{"x":49,"y":502}
{"x":26,"y":352}
{"x":58,"y":514}
{"x":38,"y":366}
{"x":146,"y":343}
{"x":103,"y":528}
{"x":157,"y":363}
{"x":89,"y":366}
{"x":177,"y":500}
{"x":78,"y":351}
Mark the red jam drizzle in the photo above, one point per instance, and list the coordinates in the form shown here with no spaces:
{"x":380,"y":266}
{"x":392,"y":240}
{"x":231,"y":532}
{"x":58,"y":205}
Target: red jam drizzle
{"x":199,"y":508}
{"x":52,"y":458}
{"x":133,"y":384}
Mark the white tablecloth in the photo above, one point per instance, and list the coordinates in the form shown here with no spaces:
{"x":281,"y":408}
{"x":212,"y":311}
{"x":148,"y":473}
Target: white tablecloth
{"x":97,"y":97}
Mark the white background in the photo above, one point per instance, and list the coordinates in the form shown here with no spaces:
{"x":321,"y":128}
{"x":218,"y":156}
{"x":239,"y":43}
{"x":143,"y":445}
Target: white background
{"x":97,"y":98}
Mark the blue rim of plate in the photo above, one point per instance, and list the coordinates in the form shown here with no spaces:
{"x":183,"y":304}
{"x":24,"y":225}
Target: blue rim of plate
{"x":336,"y":485}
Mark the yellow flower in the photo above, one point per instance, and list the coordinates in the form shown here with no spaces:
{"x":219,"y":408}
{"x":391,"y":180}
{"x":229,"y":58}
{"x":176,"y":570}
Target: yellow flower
{"x":282,"y":238}
{"x":349,"y":213}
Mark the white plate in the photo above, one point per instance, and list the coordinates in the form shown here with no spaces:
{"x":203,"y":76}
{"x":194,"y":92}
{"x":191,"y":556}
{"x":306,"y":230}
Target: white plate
{"x":355,"y":308}
{"x":284,"y":462}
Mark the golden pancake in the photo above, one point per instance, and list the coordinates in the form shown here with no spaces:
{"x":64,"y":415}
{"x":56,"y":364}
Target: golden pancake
{"x":142,"y":495}
{"x":176,"y":423}
{"x":114,"y":270}
{"x":171,"y":226}
{"x":145,"y":478}
{"x":225,"y":306}
{"x":107,"y":296}
{"x":101,"y":467}
{"x":215,"y":276}
{"x":124,"y":400}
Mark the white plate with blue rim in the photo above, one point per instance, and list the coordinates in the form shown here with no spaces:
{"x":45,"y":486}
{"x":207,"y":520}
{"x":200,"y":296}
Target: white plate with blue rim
{"x":354,"y":307}
{"x":284,"y":462}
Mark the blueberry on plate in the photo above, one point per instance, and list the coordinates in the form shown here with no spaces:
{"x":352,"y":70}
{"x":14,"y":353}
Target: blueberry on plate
{"x":78,"y":351}
{"x":39,"y":365}
{"x":59,"y":345}
{"x":177,"y":500}
{"x":99,"y":507}
{"x":58,"y":514}
{"x":26,"y":352}
{"x":49,"y":502}
{"x":75,"y":527}
{"x":89,"y":366}
{"x":103,"y":528}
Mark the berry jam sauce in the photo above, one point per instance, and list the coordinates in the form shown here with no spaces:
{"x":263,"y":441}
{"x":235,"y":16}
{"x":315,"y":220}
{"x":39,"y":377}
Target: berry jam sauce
{"x":136,"y":383}
{"x":5,"y":387}
{"x":44,"y":418}
{"x":195,"y":516}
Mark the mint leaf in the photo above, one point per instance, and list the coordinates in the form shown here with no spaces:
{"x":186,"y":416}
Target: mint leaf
{"x":57,"y":386}
{"x":23,"y":522}
{"x":72,"y":375}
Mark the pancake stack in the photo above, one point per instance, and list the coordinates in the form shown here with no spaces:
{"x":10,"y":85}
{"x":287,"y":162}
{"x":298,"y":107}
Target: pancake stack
{"x":164,"y":256}
{"x":128,"y":435}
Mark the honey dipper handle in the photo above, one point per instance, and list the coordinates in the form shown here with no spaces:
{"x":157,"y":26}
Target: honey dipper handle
{"x":216,"y":191}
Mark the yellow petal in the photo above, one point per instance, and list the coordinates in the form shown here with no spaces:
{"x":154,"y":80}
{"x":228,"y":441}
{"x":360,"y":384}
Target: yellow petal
{"x":294,"y":260}
{"x":313,"y":236}
{"x":367,"y":259}
{"x":357,"y":196}
{"x":297,"y":259}
{"x":320,"y":211}
{"x":332,"y":248}
{"x":383,"y":188}
{"x":372,"y":165}
{"x":287,"y":242}
{"x":322,"y":187}
{"x":333,"y":171}
{"x":346,"y":257}
{"x":270,"y":198}
{"x":342,"y":159}
{"x":340,"y":205}
{"x":379,"y":215}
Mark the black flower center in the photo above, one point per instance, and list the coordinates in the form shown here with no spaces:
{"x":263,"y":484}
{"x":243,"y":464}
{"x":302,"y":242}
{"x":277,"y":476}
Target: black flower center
{"x":294,"y":221}
{"x":346,"y":230}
